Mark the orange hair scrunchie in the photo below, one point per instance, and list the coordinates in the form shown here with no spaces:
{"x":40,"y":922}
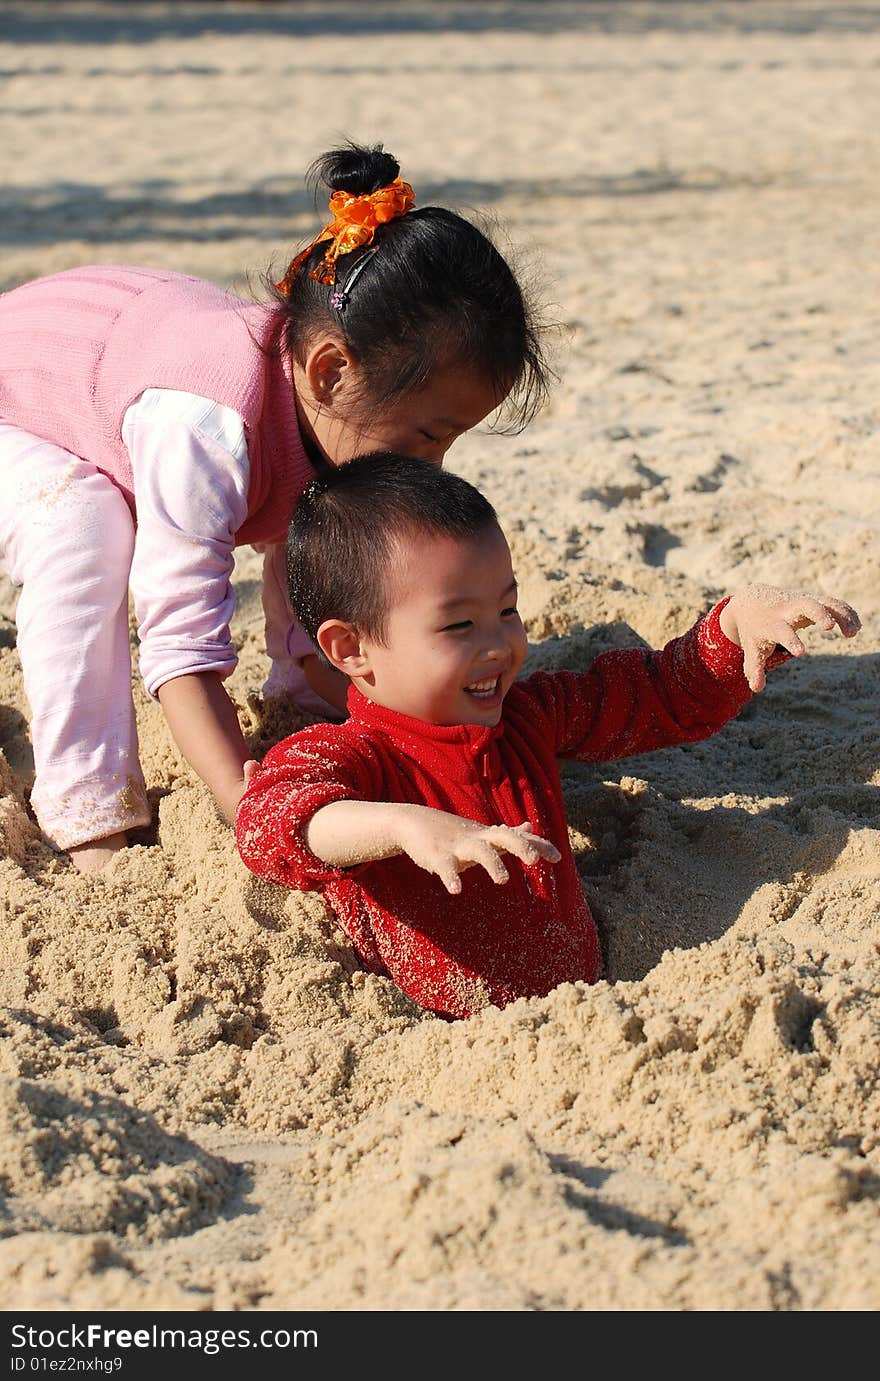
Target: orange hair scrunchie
{"x":355,"y":222}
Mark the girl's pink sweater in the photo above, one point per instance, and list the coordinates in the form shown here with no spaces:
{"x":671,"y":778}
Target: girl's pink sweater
{"x":78,"y":347}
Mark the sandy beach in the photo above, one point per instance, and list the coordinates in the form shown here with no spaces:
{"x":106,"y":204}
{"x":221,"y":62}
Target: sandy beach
{"x":205,"y":1105}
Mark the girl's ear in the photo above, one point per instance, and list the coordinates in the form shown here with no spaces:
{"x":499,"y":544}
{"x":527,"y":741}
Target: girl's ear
{"x":340,"y":643}
{"x":328,"y":366}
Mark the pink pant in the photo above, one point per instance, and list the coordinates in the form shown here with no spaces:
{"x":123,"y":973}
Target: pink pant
{"x":67,"y":538}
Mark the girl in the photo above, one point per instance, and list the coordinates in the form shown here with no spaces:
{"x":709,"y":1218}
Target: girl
{"x":151,"y":422}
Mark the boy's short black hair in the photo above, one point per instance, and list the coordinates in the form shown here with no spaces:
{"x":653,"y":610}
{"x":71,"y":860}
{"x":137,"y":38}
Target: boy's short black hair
{"x":344,"y":528}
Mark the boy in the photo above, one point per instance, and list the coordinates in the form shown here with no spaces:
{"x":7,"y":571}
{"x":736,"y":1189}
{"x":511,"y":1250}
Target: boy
{"x":401,"y":814}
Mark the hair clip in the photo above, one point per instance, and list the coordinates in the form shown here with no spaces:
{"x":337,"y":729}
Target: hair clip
{"x":339,"y":296}
{"x":354,"y":223}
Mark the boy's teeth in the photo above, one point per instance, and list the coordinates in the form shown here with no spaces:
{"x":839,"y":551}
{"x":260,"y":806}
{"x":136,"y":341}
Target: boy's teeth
{"x":483,"y":685}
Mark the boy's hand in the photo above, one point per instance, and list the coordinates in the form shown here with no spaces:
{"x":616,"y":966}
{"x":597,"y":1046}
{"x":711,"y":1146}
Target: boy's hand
{"x":346,"y":833}
{"x":759,"y":617}
{"x":449,"y":844}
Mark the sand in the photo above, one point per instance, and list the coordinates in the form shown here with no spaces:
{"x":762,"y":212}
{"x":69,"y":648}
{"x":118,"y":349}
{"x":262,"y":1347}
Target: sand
{"x":204,"y":1104}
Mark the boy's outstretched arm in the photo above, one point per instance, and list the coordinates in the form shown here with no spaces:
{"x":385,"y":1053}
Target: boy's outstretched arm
{"x":315,"y":808}
{"x":633,"y":700}
{"x":346,"y":833}
{"x":761,"y":618}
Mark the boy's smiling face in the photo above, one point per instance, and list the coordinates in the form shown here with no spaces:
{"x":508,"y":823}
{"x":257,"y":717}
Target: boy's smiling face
{"x":454,"y":641}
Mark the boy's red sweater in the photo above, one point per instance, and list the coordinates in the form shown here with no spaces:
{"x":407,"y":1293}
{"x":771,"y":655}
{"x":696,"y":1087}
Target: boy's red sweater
{"x":492,"y":943}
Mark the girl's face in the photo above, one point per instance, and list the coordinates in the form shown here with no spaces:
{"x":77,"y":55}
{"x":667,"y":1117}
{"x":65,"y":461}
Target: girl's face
{"x":423,"y":423}
{"x":454,"y":642}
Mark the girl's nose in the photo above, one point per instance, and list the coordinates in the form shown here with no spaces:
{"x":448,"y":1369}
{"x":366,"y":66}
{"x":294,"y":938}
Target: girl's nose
{"x":436,"y":454}
{"x":432,"y":455}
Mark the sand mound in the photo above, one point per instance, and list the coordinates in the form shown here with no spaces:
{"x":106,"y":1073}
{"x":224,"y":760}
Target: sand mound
{"x":89,"y":1163}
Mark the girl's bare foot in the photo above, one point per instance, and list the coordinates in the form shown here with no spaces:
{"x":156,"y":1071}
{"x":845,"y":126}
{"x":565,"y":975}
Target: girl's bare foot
{"x":95,"y":853}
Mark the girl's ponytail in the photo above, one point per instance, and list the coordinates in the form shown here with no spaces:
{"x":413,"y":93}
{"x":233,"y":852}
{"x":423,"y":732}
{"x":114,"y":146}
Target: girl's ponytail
{"x":353,"y":169}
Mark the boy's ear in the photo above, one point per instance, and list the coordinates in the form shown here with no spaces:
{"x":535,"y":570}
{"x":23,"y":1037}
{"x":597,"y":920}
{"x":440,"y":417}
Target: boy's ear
{"x":340,"y":643}
{"x":326,"y":367}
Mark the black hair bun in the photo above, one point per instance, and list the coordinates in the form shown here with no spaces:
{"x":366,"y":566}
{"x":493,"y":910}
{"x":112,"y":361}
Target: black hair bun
{"x":354,"y":168}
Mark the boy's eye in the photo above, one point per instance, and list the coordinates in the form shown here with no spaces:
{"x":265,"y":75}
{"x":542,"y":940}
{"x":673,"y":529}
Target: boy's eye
{"x":461,"y":627}
{"x":427,"y":435}
{"x":509,"y":611}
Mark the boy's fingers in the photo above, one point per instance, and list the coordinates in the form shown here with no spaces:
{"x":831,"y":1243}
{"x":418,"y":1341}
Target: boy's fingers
{"x":447,"y":872}
{"x":753,"y":666}
{"x":483,"y":851}
{"x":806,"y":610}
{"x":777,"y":623}
{"x":494,"y":867}
{"x":547,"y":850}
{"x":542,"y":848}
{"x":526,"y":829}
{"x":523,"y":832}
{"x":513,"y":841}
{"x":521,"y":841}
{"x":785,"y":636}
{"x":844,"y":615}
{"x":824,"y":611}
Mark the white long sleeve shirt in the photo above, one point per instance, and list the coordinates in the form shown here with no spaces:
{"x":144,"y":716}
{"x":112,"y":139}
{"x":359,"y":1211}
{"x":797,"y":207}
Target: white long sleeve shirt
{"x":191,"y":475}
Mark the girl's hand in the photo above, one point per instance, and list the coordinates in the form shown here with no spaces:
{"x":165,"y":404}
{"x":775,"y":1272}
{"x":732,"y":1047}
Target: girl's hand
{"x":232,"y":800}
{"x":449,"y":844}
{"x":204,"y":724}
{"x":760,"y":617}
